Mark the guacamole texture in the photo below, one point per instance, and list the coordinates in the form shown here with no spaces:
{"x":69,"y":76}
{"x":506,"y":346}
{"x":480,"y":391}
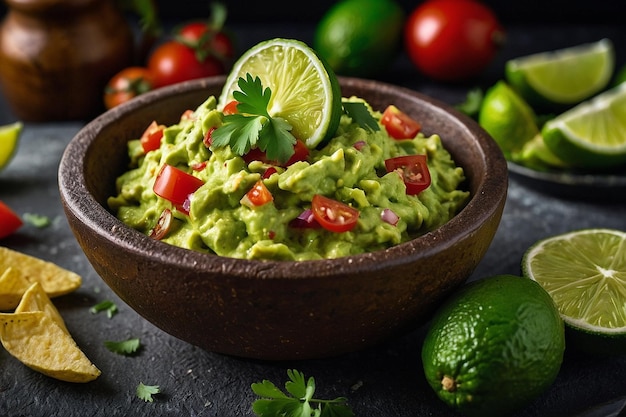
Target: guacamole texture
{"x":350,"y":169}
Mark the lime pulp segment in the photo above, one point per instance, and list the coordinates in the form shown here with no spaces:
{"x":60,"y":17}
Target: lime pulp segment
{"x":304,"y":91}
{"x":585,"y":273}
{"x":568,"y":75}
{"x":9,"y":138}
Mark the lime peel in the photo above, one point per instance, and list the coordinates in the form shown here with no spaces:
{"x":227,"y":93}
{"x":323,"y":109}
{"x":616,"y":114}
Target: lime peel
{"x":9,"y":140}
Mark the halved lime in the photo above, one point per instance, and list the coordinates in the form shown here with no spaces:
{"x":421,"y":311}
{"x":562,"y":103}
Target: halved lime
{"x":584,"y":272}
{"x":592,"y":134}
{"x":9,"y":138}
{"x":536,"y":155}
{"x":565,"y":76}
{"x":507,"y":118}
{"x":305,"y":91}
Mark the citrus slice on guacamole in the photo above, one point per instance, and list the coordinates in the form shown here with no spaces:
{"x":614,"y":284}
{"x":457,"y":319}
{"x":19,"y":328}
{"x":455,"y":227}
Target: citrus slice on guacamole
{"x":304,"y":89}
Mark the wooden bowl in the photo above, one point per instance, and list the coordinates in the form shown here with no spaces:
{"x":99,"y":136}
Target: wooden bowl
{"x":278,"y":310}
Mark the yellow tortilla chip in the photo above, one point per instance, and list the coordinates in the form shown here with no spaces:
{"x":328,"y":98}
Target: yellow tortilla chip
{"x":36,"y":299}
{"x":40,"y":343}
{"x":12,"y":286}
{"x":55,"y":280}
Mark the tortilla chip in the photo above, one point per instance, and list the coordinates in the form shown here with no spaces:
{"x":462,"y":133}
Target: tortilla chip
{"x":40,"y":343}
{"x":36,"y":299}
{"x":12,"y":286}
{"x":55,"y":280}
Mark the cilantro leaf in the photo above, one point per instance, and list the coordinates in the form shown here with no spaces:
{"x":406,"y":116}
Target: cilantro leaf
{"x":359,"y":113}
{"x":108,"y":306}
{"x":38,"y":220}
{"x":253,"y":126}
{"x":125,"y":347}
{"x":472,"y":103}
{"x":145,"y":392}
{"x":300,"y":402}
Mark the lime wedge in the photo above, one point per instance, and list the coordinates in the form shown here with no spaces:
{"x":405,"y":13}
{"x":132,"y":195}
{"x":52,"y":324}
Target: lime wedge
{"x":563,"y":77}
{"x":9,"y":139}
{"x":305,"y":91}
{"x":584,"y":272}
{"x":592,"y":134}
{"x":507,"y":118}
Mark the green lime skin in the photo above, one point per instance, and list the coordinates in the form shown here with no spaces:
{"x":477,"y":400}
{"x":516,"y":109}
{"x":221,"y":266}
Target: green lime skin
{"x":360,"y":38}
{"x":494,"y":346}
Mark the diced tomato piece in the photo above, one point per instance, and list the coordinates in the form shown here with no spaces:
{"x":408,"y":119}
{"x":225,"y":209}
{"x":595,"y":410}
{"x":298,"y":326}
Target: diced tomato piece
{"x":399,"y":125}
{"x":175,"y":185}
{"x":151,"y":137}
{"x":257,"y":196}
{"x":230,"y":108}
{"x":9,"y":221}
{"x":333,"y":215}
{"x":413,"y":169}
{"x":301,"y":153}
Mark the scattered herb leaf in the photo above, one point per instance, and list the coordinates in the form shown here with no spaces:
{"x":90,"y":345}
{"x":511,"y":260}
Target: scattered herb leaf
{"x":359,"y":113}
{"x":252,"y":126}
{"x":108,"y":306}
{"x":145,"y":392}
{"x":300,"y":402}
{"x":472,"y":103}
{"x":124,"y":347}
{"x":37,"y":220}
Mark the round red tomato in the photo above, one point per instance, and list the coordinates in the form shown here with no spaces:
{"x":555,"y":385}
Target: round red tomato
{"x":173,"y":62}
{"x":452,"y":40}
{"x":126,"y":84}
{"x":207,"y":40}
{"x":334,"y":215}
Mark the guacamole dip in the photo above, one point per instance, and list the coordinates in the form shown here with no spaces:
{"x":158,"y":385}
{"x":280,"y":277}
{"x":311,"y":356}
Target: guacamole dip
{"x":253,"y":209}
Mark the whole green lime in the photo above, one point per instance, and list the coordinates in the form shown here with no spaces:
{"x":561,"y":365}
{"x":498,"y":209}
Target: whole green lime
{"x":494,"y":346}
{"x":360,"y":37}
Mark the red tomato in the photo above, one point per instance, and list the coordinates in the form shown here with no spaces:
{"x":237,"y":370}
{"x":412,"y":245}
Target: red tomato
{"x":175,"y":185}
{"x":333,"y":215}
{"x":9,"y":221}
{"x":398,"y":124}
{"x":172,"y":62}
{"x":257,"y":196}
{"x":151,"y":137}
{"x":452,"y":40}
{"x":230,"y":108}
{"x":301,"y":153}
{"x":413,"y":169}
{"x":127,"y":84}
{"x":207,"y":40}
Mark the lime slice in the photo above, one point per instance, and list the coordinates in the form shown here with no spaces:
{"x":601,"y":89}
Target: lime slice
{"x":9,"y":139}
{"x":565,"y":76}
{"x":305,"y":91}
{"x":536,"y":155}
{"x":584,"y":272}
{"x":507,"y":118}
{"x":592,"y":134}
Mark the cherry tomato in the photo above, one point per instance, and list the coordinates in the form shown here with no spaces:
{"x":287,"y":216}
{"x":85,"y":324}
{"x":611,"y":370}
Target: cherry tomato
{"x":151,"y":137}
{"x":452,"y":40}
{"x":413,"y":169}
{"x":127,"y":84}
{"x":9,"y":221}
{"x":230,"y":108}
{"x":333,"y":215}
{"x":173,"y":62}
{"x":207,"y":40}
{"x":398,"y":124}
{"x":175,"y":185}
{"x":257,"y":196}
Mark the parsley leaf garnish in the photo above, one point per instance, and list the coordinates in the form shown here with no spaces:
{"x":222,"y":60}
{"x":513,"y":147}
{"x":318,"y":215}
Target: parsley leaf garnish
{"x":108,"y":306}
{"x":145,"y":392}
{"x":359,"y":113}
{"x":300,"y":402}
{"x":125,"y":347}
{"x":252,"y":126}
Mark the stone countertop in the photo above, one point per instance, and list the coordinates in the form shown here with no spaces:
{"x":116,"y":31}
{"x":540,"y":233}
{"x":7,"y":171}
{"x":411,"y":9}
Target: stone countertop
{"x":383,"y":381}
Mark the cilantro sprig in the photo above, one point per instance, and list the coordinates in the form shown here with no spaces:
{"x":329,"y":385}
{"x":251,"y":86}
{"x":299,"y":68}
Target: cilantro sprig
{"x":145,"y":392}
{"x":253,"y":126}
{"x":299,"y":402}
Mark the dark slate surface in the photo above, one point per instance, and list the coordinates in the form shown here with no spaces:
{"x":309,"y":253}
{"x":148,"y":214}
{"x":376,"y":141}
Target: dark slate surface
{"x":382,"y":381}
